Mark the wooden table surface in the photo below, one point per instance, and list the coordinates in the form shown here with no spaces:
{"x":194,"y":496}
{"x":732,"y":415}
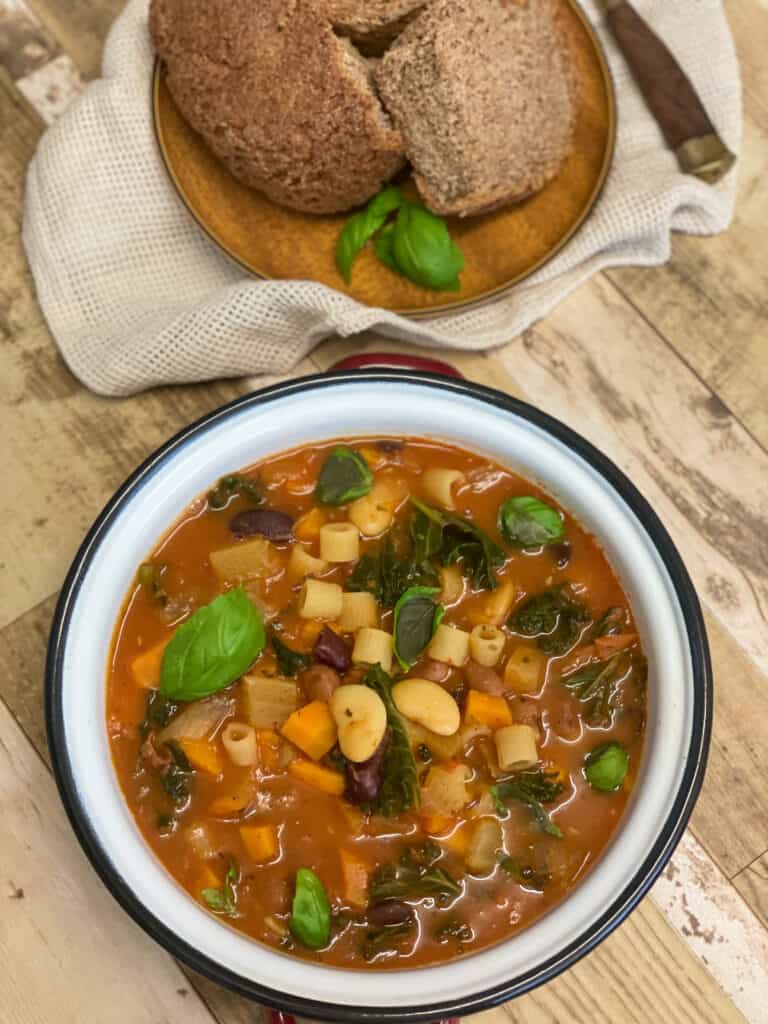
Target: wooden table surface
{"x":664,"y":369}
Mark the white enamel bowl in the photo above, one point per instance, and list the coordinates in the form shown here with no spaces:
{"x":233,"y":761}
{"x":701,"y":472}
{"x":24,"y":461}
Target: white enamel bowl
{"x":385,"y":403}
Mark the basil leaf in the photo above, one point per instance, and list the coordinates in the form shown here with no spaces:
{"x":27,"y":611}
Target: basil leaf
{"x":289,"y":662}
{"x":526,"y":522}
{"x":213,"y":648}
{"x":399,"y":790}
{"x":311,"y":912}
{"x":385,"y":247}
{"x":364,"y":225}
{"x":423,"y":249}
{"x":426,"y":527}
{"x":606,"y":767}
{"x":416,"y":619}
{"x":345,"y":476}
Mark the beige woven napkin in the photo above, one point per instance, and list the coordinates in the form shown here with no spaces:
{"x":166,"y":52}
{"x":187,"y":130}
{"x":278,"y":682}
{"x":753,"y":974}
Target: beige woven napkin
{"x":135,"y":295}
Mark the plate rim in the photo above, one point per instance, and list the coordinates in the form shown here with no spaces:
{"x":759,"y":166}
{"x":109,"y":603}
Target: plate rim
{"x":454,"y":306}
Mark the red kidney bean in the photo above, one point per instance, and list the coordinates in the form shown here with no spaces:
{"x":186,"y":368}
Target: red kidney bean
{"x":364,"y":780}
{"x":483,"y":678}
{"x":561,"y":554}
{"x":319,"y":682}
{"x":436,"y":671}
{"x":390,"y":912}
{"x":331,"y":650}
{"x":268,"y":522}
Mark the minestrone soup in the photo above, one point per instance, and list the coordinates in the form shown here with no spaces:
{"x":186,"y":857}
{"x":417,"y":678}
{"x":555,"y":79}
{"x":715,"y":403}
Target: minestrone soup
{"x":376,"y":703}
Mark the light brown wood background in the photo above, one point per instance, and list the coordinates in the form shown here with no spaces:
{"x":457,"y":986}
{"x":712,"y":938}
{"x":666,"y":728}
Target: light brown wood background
{"x":665,"y":369}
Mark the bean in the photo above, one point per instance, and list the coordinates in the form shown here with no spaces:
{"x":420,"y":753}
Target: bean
{"x":436,"y":671}
{"x":275,"y":526}
{"x":364,"y":780}
{"x":361,"y":720}
{"x":390,"y":912}
{"x":331,"y":650}
{"x":561,"y":554}
{"x":427,"y":703}
{"x":319,"y":682}
{"x":483,"y":678}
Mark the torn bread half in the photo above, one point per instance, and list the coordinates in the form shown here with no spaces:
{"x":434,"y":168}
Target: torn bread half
{"x":287,"y":104}
{"x":485,"y":96}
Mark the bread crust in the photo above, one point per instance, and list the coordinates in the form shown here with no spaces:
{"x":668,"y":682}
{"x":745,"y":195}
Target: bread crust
{"x":372,"y":25}
{"x":286,"y":104}
{"x":485,"y":95}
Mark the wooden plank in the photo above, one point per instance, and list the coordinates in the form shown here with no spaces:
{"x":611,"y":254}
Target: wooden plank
{"x":20,"y":128}
{"x":709,"y":300}
{"x":25,"y":45}
{"x":752,"y":883}
{"x":69,"y":953}
{"x":560,"y":370}
{"x":79,"y":27}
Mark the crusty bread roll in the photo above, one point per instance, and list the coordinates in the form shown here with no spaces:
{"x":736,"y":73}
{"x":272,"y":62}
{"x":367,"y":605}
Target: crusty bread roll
{"x":372,"y":24}
{"x":484,"y":94}
{"x":282,"y":100}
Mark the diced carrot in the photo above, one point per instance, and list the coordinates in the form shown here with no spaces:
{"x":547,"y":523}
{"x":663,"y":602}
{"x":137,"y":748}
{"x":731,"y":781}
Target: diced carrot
{"x":236,"y":800}
{"x":207,"y":878}
{"x":607,"y":645}
{"x":145,"y":668}
{"x":355,"y":871}
{"x":561,"y":774}
{"x":354,"y":818}
{"x":202,"y":754}
{"x":317,"y":775}
{"x":260,"y":841}
{"x":308,"y":526}
{"x":268,"y":743}
{"x":486,"y":709}
{"x":310,"y":630}
{"x":312,"y":729}
{"x":437,"y":824}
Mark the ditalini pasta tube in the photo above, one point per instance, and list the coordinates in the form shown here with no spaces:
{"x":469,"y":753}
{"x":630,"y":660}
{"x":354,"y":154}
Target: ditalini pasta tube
{"x":438,"y":485}
{"x":240,"y":743}
{"x":301,"y":563}
{"x":339,"y":542}
{"x":320,"y":600}
{"x":373,"y":646}
{"x":516,"y":747}
{"x":486,"y":644}
{"x":450,"y":645}
{"x":358,"y":611}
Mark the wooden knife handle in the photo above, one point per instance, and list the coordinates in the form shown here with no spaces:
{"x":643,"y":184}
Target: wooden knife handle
{"x":669,"y":94}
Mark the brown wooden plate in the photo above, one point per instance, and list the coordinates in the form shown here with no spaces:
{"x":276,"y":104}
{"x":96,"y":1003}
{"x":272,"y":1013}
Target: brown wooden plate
{"x":500,"y":248}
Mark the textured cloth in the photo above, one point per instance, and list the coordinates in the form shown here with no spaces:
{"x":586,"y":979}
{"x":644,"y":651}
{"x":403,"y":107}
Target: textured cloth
{"x":136,"y":295}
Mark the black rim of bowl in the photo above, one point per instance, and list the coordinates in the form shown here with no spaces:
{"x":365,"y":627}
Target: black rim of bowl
{"x":645,"y":874}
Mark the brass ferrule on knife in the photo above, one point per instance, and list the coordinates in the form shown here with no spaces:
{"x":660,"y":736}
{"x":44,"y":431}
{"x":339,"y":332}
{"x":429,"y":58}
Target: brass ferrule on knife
{"x":669,"y":94}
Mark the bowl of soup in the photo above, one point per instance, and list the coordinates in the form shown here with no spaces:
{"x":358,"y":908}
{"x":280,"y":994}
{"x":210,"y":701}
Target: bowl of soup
{"x":378,"y":696}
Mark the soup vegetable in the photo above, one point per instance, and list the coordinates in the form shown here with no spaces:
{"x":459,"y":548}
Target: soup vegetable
{"x":376,"y":703}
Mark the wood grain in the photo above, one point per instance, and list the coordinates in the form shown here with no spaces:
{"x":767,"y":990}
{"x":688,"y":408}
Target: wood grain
{"x":752,"y":883}
{"x":79,"y":27}
{"x":69,"y":953}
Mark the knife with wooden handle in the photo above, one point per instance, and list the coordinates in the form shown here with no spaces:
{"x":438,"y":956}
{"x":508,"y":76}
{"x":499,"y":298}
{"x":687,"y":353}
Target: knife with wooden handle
{"x":669,"y":94}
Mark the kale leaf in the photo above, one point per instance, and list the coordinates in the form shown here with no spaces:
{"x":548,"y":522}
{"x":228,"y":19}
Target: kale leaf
{"x":534,"y":788}
{"x":400,"y":788}
{"x":555,"y":618}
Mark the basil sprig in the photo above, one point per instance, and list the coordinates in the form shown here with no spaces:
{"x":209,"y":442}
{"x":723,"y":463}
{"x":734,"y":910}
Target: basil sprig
{"x":213,"y":648}
{"x":416,"y":244}
{"x":526,"y":522}
{"x":311,"y":912}
{"x":416,"y":619}
{"x":345,"y":476}
{"x":363,"y":226}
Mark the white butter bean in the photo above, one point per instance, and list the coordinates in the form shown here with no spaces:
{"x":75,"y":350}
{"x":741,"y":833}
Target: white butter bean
{"x":423,"y":701}
{"x":361,"y":720}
